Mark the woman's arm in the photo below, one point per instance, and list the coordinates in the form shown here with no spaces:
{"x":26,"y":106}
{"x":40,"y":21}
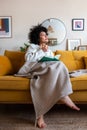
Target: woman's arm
{"x":34,"y":53}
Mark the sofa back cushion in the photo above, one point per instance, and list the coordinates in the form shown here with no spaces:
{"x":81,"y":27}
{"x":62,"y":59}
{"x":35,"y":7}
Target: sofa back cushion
{"x":5,"y":66}
{"x":16,"y":58}
{"x":74,"y":60}
{"x":85,"y":60}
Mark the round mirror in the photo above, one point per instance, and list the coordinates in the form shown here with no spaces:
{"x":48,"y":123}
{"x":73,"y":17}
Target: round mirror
{"x":56,"y":31}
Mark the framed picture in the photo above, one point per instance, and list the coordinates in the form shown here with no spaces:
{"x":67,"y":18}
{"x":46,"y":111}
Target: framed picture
{"x":52,"y":41}
{"x":73,"y":44}
{"x":82,"y":47}
{"x":5,"y":26}
{"x":77,"y":24}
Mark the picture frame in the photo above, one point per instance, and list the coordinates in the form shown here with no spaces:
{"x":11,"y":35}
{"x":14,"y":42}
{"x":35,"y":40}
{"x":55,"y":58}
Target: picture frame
{"x":78,"y":24}
{"x":5,"y":26}
{"x":52,"y":41}
{"x":82,"y":47}
{"x":73,"y":44}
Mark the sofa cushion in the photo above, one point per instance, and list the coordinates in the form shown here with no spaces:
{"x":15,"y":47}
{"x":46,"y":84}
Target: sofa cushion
{"x":16,"y":58}
{"x":79,"y":83}
{"x":5,"y":66}
{"x":79,"y":58}
{"x":72,"y":59}
{"x":67,"y":58}
{"x":14,"y":83}
{"x":85,"y":60}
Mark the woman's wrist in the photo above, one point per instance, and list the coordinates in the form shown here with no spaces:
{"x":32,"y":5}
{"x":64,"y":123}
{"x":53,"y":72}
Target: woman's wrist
{"x":44,"y":47}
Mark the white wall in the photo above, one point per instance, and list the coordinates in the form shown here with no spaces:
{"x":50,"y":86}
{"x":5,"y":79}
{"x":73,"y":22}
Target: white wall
{"x":26,"y":13}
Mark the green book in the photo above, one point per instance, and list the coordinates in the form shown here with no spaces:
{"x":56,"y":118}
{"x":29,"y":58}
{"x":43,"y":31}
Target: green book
{"x":44,"y":59}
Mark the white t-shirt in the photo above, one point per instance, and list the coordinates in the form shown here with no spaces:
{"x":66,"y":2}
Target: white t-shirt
{"x":35,"y":53}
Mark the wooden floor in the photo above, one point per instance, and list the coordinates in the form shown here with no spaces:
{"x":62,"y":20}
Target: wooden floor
{"x":60,"y":117}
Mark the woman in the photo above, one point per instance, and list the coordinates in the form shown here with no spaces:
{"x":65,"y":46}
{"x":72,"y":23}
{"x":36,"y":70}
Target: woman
{"x":52,"y":82}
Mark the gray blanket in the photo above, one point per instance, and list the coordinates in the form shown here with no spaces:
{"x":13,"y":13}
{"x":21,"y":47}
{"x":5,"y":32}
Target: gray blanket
{"x":52,"y":82}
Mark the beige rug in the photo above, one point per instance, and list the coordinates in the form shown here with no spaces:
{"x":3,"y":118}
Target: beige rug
{"x":60,"y":117}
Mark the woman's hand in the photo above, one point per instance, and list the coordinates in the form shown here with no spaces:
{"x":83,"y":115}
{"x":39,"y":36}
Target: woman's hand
{"x":44,"y":47}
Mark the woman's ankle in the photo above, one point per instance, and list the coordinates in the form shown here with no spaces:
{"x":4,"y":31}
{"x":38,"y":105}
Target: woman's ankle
{"x":40,"y":122}
{"x":66,"y":100}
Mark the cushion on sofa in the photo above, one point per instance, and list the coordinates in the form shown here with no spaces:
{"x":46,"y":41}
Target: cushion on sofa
{"x":79,"y":58}
{"x":85,"y":60}
{"x":74,"y":60}
{"x":10,"y":82}
{"x":16,"y":58}
{"x":67,"y":58}
{"x":79,"y":83}
{"x":5,"y":66}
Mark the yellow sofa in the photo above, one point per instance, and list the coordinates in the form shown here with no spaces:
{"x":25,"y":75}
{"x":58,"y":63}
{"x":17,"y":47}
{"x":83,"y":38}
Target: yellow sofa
{"x":16,"y":89}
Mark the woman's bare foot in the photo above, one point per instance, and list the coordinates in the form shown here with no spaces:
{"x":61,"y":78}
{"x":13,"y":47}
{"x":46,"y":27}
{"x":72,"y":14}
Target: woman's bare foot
{"x":40,"y":122}
{"x":66,"y":100}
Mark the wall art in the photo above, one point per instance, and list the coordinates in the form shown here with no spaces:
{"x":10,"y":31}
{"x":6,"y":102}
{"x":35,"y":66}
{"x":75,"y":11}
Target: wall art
{"x":73,"y":44}
{"x":77,"y":24}
{"x":5,"y":26}
{"x":82,"y":47}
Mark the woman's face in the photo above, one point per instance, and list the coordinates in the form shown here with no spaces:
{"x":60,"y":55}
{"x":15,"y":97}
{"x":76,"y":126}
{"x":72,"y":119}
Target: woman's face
{"x":43,"y":38}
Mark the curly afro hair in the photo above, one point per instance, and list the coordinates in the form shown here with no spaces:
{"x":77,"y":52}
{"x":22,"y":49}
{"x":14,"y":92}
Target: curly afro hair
{"x":34,"y":33}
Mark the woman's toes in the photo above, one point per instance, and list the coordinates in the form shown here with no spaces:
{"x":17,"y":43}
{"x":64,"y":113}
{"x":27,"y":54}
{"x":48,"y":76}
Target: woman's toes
{"x":66,"y":100}
{"x":41,"y":123}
